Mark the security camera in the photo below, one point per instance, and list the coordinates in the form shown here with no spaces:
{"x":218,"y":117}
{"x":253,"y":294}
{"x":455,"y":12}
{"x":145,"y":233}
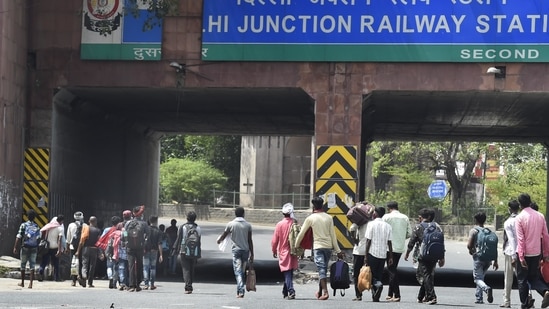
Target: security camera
{"x":177,"y":66}
{"x":491,"y":70}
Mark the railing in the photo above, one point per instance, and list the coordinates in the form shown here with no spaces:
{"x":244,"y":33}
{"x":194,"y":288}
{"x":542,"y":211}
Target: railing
{"x":301,"y":201}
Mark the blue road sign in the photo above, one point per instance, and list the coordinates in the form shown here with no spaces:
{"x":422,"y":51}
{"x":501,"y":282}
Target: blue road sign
{"x":437,"y":189}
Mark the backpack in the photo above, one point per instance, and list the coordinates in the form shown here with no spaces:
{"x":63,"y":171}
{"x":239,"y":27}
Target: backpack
{"x":76,"y":237}
{"x":190,"y":245}
{"x":339,"y":276}
{"x":432,"y":246}
{"x":153,"y":239}
{"x":109,"y":251}
{"x":486,"y":244}
{"x":292,"y":237}
{"x":32,"y":235}
{"x":135,"y":236}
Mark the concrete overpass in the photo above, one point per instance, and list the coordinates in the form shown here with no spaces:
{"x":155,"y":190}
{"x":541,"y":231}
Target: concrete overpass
{"x":101,"y":120}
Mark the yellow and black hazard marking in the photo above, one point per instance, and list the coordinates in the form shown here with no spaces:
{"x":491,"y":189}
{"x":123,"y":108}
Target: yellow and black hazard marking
{"x":36,"y":183}
{"x":336,"y":172}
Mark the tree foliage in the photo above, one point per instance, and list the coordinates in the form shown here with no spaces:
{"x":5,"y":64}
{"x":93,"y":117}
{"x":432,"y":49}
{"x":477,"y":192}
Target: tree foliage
{"x":184,"y":180}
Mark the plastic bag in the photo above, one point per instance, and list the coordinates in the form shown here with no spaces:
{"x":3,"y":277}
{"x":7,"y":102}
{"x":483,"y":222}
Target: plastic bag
{"x":364,"y":279}
{"x":74,"y":266}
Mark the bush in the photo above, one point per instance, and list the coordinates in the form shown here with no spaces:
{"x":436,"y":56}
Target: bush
{"x":188,"y":180}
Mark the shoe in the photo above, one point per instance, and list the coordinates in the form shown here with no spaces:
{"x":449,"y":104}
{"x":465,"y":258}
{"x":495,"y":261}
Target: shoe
{"x":377,"y":293}
{"x":432,"y":302}
{"x":131,"y":290}
{"x":291,"y":296}
{"x":317,"y":295}
{"x":146,"y":287}
{"x":530,"y":303}
{"x":73,"y":283}
{"x":490,"y":295}
{"x":388,"y":297}
{"x":395,"y":299}
{"x":419,"y":301}
{"x":153,"y":287}
{"x":240,"y":296}
{"x":479,"y":302}
{"x":357,"y":299}
{"x":505,"y":306}
{"x":138,"y":288}
{"x":122,"y":287}
{"x":188,"y":292}
{"x":545,"y":301}
{"x":91,"y":285}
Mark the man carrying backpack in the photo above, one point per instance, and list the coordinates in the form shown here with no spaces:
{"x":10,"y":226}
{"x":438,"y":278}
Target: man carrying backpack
{"x":135,"y":233}
{"x":153,"y":248}
{"x":427,"y":259}
{"x":483,"y":246}
{"x":74,"y":231}
{"x":29,"y":235}
{"x":187,"y":243}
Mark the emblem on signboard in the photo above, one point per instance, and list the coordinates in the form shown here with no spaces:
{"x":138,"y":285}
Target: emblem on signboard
{"x":104,"y":18}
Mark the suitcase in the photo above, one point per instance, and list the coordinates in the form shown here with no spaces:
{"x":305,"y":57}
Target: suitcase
{"x":360,"y":214}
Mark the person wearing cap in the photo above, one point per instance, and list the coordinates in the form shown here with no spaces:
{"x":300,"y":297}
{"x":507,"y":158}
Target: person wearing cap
{"x":281,"y":249}
{"x":73,"y":237}
{"x":324,"y":242}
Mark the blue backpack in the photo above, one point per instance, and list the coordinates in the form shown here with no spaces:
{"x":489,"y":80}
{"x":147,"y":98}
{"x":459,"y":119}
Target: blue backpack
{"x":432,"y":245}
{"x":32,"y":235}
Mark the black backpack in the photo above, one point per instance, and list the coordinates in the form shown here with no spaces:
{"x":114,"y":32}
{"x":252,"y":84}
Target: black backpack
{"x":432,"y":245}
{"x":339,"y":277}
{"x":135,"y":235}
{"x":153,"y":239}
{"x":190,"y":245}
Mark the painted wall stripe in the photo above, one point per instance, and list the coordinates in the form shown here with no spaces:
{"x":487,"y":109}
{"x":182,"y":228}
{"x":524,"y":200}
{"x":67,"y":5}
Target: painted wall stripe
{"x":36,"y":184}
{"x":336,"y":171}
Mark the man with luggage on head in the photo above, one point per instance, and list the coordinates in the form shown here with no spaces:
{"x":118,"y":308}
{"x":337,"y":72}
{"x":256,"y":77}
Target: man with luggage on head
{"x":483,"y":256}
{"x":324,"y":242}
{"x":425,"y":272}
{"x":358,"y":233}
{"x":532,"y":246}
{"x":378,"y":250}
{"x":401,"y":230}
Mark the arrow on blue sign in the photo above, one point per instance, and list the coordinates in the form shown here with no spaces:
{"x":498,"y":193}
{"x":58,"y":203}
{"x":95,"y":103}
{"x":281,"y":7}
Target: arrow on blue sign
{"x":437,"y":189}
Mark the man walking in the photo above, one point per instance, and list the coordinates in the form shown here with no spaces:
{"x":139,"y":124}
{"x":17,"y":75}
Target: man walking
{"x":425,"y":272}
{"x":358,"y":233}
{"x":53,"y":232}
{"x":481,"y":265}
{"x":280,"y":247}
{"x":171,"y":231}
{"x":135,"y":233}
{"x":153,"y":251}
{"x":90,"y":235}
{"x":324,"y":242}
{"x":188,"y":259}
{"x":74,"y":232}
{"x":509,"y":252}
{"x":401,"y":230}
{"x":123,"y":267}
{"x":29,"y":236}
{"x":242,"y":249}
{"x":532,"y":237}
{"x":378,"y":250}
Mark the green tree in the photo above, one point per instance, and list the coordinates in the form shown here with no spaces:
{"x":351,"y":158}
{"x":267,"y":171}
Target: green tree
{"x":172,"y":147}
{"x":185,"y":180}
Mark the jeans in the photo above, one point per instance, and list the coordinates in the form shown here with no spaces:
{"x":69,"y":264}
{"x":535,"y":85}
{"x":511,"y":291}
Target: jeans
{"x":89,"y":260}
{"x":479,"y":271}
{"x":529,"y":278}
{"x":288,"y":288}
{"x":28,"y":254}
{"x":112,"y":269}
{"x":149,"y":267}
{"x":123,"y":277}
{"x":240,"y":258}
{"x":322,"y":257}
{"x":188,"y":265}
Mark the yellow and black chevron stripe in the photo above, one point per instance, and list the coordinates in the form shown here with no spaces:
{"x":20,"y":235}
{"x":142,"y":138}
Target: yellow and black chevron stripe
{"x":36,"y":183}
{"x":336,"y":172}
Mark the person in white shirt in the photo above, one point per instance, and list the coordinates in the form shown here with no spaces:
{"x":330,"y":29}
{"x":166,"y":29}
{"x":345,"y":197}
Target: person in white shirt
{"x":401,"y":229}
{"x":54,"y":233}
{"x":378,"y":250}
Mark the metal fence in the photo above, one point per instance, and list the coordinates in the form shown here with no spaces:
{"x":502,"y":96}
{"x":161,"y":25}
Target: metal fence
{"x":301,"y":201}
